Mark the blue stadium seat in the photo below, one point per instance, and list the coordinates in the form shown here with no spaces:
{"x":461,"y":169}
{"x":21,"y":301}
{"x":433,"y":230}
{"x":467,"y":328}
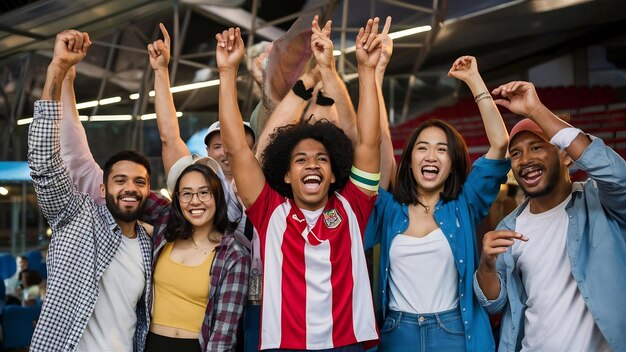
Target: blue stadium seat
{"x":7,"y":265}
{"x":36,"y":262}
{"x":18,"y":325}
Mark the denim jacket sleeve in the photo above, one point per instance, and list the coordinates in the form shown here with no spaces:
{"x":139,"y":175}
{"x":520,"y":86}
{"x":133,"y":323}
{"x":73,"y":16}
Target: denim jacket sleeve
{"x":492,"y":306}
{"x":376,"y":222}
{"x":483,"y":184}
{"x":608,"y":170}
{"x":498,"y":304}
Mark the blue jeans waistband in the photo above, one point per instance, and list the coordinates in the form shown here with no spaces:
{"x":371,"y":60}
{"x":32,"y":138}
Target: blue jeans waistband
{"x":426,"y":319}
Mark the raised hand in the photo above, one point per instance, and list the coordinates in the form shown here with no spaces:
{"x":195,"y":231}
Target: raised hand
{"x":230,"y":49}
{"x":321,"y":45}
{"x":159,"y":50}
{"x":519,"y":97}
{"x":368,"y":48}
{"x":70,"y":76}
{"x":70,"y":48}
{"x":258,"y":65}
{"x":312,"y":78}
{"x":464,"y":68}
{"x":386,"y":45}
{"x":496,"y":242}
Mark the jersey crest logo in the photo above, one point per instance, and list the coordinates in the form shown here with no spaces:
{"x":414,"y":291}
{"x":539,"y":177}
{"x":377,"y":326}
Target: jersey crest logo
{"x":332,"y":219}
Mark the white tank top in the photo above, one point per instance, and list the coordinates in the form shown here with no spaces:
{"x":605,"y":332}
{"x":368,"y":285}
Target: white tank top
{"x":423,"y":277}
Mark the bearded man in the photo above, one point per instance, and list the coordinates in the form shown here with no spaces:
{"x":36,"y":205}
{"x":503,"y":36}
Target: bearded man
{"x":99,"y":261}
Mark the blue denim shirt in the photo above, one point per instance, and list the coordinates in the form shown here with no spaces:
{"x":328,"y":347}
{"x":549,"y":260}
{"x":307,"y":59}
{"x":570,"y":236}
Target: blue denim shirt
{"x":596,"y":248}
{"x":457,"y":219}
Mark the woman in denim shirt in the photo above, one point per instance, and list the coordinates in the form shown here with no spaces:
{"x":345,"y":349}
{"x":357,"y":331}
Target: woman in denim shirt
{"x":425,"y":283}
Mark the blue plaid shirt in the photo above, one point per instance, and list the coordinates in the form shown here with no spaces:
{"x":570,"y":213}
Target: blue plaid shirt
{"x":84,"y":241}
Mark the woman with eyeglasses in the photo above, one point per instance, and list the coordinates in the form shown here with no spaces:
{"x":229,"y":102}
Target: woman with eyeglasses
{"x":201,"y":270}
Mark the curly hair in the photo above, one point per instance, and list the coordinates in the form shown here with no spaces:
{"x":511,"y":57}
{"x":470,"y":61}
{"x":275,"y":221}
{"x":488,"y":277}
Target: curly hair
{"x":406,"y":190}
{"x":178,"y":227}
{"x":276,"y":158}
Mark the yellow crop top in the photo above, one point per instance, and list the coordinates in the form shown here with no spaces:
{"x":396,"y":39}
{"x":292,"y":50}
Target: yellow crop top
{"x":181,"y":292}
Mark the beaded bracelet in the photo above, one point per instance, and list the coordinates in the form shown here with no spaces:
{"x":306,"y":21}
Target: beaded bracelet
{"x":480,"y":96}
{"x":483,"y":98}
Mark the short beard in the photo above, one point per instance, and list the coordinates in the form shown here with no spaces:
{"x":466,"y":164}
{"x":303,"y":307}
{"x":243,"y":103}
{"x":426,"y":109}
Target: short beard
{"x":125,"y":216}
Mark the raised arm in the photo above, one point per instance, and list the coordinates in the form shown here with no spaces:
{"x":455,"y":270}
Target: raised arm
{"x":387,"y":160}
{"x":367,"y":149}
{"x":521,"y":98}
{"x":85,"y":173}
{"x":70,"y":47}
{"x":465,"y":69}
{"x":603,"y":164}
{"x":334,"y":86}
{"x":321,"y":106}
{"x":172,"y":145}
{"x":288,"y":110}
{"x":52,"y":183}
{"x":246,"y":169}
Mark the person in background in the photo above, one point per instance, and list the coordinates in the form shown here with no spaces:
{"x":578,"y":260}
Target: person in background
{"x":556,"y":266}
{"x":427,"y":231}
{"x":31,"y":287}
{"x":12,"y":284}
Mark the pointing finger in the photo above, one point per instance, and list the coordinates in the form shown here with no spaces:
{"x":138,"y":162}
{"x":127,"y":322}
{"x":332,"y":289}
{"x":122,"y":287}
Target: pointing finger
{"x":166,"y":35}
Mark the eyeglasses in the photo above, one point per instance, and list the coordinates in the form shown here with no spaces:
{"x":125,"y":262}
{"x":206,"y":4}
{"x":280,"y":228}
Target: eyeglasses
{"x":186,"y":197}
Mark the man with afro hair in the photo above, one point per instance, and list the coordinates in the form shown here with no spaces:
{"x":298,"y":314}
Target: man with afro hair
{"x":310,"y":203}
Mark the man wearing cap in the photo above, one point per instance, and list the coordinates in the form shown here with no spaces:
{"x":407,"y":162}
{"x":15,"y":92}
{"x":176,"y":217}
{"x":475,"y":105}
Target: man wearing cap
{"x":215,"y":148}
{"x":556,"y":265}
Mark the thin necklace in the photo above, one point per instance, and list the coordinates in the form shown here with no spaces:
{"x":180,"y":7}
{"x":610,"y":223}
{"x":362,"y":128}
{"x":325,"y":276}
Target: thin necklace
{"x":426,"y":207}
{"x":204,"y":247}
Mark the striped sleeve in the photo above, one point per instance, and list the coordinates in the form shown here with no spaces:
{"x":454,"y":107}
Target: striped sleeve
{"x":365,"y":180}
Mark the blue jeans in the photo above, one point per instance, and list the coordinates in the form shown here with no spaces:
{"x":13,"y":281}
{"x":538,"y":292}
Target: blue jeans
{"x":441,"y":331}
{"x":350,"y":348}
{"x":251,"y":327}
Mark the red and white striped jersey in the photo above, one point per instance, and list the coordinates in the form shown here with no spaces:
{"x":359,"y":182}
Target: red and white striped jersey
{"x":316,"y":289}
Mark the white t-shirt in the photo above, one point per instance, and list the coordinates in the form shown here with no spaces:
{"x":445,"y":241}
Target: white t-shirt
{"x":423,"y":277}
{"x":112,"y":323}
{"x":556,"y":317}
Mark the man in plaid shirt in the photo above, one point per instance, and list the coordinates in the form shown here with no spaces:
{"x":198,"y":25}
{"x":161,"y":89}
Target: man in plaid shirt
{"x":99,"y":261}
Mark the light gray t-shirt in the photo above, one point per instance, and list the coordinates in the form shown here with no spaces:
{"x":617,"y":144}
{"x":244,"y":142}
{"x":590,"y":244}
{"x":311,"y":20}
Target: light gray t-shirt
{"x":112,"y":324}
